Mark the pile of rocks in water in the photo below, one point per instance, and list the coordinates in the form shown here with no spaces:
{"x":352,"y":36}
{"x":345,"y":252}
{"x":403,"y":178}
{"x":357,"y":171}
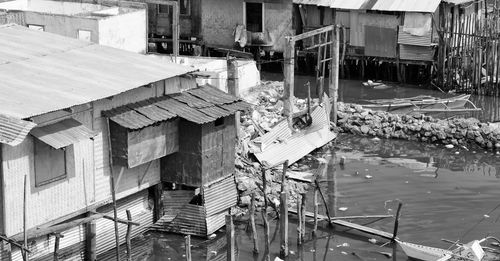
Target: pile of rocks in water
{"x":451,"y":132}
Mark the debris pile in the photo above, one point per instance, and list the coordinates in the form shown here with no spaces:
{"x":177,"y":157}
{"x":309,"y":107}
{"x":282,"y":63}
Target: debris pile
{"x":267,"y":113}
{"x":458,"y":131}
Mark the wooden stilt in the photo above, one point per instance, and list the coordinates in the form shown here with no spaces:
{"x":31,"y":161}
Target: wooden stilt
{"x":284,"y":224}
{"x":264,"y":217}
{"x":252,"y":224}
{"x":299,"y":214}
{"x":188,"y":247}
{"x":315,"y":228}
{"x":90,"y":239}
{"x":303,"y":216}
{"x":25,"y":212}
{"x":158,"y":205}
{"x":230,"y":238}
{"x":56,"y":245}
{"x":127,"y":237}
{"x":396,"y":222}
{"x":324,"y":201}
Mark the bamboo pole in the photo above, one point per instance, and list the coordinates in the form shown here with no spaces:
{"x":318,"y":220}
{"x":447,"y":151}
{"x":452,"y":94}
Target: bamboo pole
{"x":284,"y":225}
{"x":127,"y":237}
{"x":315,"y":228}
{"x":25,"y":212}
{"x":396,"y":222}
{"x":113,"y":192}
{"x":187,"y":240}
{"x":289,"y":76}
{"x":252,"y":224}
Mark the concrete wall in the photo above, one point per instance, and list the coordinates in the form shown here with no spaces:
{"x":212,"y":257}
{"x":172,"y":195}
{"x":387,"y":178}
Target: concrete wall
{"x":53,"y":7}
{"x":64,"y":25}
{"x":88,"y":180}
{"x":219,"y":18}
{"x":126,"y":31}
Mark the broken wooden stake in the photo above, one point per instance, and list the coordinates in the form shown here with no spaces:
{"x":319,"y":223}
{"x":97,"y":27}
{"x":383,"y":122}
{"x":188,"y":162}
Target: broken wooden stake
{"x":284,"y":224}
{"x":396,"y":222}
{"x":25,"y":211}
{"x":188,"y":247}
{"x":303,"y":216}
{"x":324,"y":202}
{"x":127,"y":236}
{"x":252,"y":224}
{"x":230,"y":238}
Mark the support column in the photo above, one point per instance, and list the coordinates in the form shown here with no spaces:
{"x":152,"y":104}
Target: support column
{"x":289,"y":82}
{"x":233,"y":87}
{"x":90,"y":241}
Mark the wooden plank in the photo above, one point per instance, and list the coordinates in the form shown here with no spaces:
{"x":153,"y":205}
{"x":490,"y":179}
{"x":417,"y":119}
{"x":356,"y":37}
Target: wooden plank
{"x":312,"y":33}
{"x":368,"y":230}
{"x":317,"y":45}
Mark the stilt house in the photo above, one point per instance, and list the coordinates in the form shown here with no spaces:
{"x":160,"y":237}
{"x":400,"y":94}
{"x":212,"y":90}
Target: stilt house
{"x":65,"y":101}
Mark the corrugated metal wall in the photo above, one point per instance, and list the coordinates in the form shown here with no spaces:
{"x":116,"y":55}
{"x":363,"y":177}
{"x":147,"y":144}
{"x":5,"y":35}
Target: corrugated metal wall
{"x":141,"y":211}
{"x":359,"y":20}
{"x":416,"y":53}
{"x":71,"y":246}
{"x":380,"y":42}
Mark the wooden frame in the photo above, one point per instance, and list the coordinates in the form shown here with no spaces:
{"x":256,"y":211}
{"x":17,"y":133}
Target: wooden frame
{"x":175,"y":22}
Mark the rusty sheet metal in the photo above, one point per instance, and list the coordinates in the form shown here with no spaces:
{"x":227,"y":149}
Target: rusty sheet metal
{"x":190,"y":221}
{"x":410,"y":39}
{"x":416,"y":53}
{"x":59,"y":72}
{"x":213,"y":95}
{"x":300,"y":143}
{"x":63,"y":133}
{"x":220,"y":195}
{"x":173,"y":203}
{"x":426,"y":6}
{"x":13,"y":131}
{"x":380,"y":42}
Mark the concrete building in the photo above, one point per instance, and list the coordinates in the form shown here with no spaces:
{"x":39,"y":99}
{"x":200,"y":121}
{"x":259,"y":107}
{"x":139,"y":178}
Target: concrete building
{"x":120,"y":24}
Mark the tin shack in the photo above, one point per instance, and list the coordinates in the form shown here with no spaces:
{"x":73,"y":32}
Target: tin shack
{"x":382,"y":39}
{"x":54,"y":142}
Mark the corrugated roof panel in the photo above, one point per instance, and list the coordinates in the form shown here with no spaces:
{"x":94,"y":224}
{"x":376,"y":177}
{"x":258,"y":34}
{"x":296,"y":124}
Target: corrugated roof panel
{"x":63,"y":133}
{"x":185,"y":111}
{"x":416,"y":53}
{"x":236,"y":106}
{"x":213,"y":95}
{"x":427,"y":6}
{"x":155,"y":113}
{"x":59,"y":72}
{"x":190,"y":100}
{"x":130,"y":119}
{"x":13,"y":131}
{"x":215,"y":112}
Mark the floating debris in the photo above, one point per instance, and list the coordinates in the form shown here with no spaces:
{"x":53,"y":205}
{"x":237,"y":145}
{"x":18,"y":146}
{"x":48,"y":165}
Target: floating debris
{"x":368,"y":177}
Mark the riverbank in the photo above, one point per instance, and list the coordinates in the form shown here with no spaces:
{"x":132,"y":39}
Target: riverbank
{"x":462,"y":132}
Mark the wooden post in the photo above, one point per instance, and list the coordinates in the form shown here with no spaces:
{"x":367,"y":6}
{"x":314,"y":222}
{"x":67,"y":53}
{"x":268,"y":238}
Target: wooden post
{"x":175,"y":29}
{"x":283,"y":177}
{"x":315,"y":228}
{"x":188,"y":247}
{"x":230,"y":238}
{"x":289,"y":82}
{"x":303,"y":217}
{"x":324,"y":202}
{"x":90,"y":239}
{"x":299,"y":215}
{"x":127,"y":237}
{"x":334,"y":72}
{"x":56,"y":245}
{"x":158,"y":204}
{"x":233,"y":87}
{"x":113,"y":192}
{"x":396,"y":222}
{"x":25,"y":212}
{"x":252,"y":224}
{"x":284,"y":224}
{"x":264,"y":217}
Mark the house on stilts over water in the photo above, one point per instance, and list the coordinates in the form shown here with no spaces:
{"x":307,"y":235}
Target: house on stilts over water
{"x":80,"y":122}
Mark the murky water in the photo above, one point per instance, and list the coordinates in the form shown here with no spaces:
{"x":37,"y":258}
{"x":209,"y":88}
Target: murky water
{"x":446,"y":193}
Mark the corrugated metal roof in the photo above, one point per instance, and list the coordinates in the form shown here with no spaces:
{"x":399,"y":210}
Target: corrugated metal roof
{"x":184,"y":105}
{"x":13,"y":131}
{"x":426,"y":6}
{"x":300,"y":143}
{"x":63,"y":133}
{"x":43,"y":72}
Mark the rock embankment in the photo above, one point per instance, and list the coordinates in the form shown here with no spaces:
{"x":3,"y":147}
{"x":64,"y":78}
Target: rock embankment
{"x":457,"y":131}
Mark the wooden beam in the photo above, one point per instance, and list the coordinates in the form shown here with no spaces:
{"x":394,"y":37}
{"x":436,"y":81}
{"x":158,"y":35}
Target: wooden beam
{"x":312,"y":33}
{"x":14,"y":242}
{"x":34,"y":233}
{"x":317,"y":45}
{"x":119,"y":220}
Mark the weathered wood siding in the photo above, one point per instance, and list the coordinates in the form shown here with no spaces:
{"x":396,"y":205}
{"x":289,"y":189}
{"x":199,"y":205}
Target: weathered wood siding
{"x":359,"y":20}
